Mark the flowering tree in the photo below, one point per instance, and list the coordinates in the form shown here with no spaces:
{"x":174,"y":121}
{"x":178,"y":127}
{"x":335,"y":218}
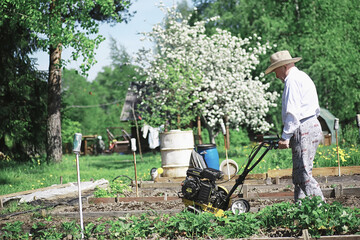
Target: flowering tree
{"x":169,"y":97}
{"x":222,"y":65}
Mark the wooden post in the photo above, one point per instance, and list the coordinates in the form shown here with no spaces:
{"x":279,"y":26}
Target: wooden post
{"x":136,"y":184}
{"x":133,"y":149}
{"x":166,"y":125}
{"x":199,"y":129}
{"x":245,"y":191}
{"x":137,"y":132}
{"x":85,"y":146}
{"x":358,"y":122}
{"x":305,"y":234}
{"x":337,"y":150}
{"x":178,"y":121}
{"x":227,"y":133}
{"x":336,"y":127}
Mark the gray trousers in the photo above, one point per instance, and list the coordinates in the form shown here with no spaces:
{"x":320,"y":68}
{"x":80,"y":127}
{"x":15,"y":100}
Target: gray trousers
{"x":304,"y":143}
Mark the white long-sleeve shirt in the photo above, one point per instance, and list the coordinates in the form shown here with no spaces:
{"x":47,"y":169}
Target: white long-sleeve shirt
{"x":299,"y":101}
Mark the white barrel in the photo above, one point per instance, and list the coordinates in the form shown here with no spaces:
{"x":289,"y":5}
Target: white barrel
{"x":176,"y":147}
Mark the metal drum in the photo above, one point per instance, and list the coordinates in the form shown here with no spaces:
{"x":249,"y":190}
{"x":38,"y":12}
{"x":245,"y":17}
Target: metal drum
{"x":176,"y":147}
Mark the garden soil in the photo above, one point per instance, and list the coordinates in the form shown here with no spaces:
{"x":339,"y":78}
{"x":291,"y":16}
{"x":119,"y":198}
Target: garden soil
{"x":66,"y":208}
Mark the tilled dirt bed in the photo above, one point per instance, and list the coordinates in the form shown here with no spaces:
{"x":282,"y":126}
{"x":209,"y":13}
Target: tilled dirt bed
{"x":66,"y":209}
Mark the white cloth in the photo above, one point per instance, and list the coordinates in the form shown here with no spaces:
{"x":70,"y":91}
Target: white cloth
{"x":154,"y":140}
{"x":145,"y":130}
{"x":299,"y":101}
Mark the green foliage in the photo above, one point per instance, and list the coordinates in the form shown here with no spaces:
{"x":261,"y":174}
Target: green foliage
{"x":327,"y":156}
{"x":61,"y":24}
{"x":116,"y":189}
{"x":16,"y":177}
{"x":175,"y":107}
{"x":238,"y":226}
{"x":70,"y":228}
{"x":13,"y":231}
{"x":68,"y":128}
{"x":94,"y":230}
{"x":313,"y":214}
{"x":15,"y":206}
{"x":191,"y":225}
{"x":97,"y":105}
{"x":22,"y":95}
{"x":282,"y":159}
{"x":238,"y":137}
{"x":324,"y":33}
{"x":350,"y":135}
{"x":81,"y":103}
{"x":320,"y":218}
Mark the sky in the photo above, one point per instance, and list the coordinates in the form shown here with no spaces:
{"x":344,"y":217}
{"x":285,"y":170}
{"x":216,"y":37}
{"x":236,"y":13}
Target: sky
{"x":147,"y":15}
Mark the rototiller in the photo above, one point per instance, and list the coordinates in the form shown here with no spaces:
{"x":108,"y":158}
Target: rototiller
{"x":200,"y":192}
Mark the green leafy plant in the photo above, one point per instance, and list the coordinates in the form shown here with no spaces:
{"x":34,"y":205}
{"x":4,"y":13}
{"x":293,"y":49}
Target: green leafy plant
{"x":237,"y":226}
{"x":192,"y":225}
{"x":13,"y":230}
{"x":70,"y":228}
{"x":15,"y":206}
{"x":320,"y":218}
{"x":116,"y":188}
{"x":313,"y":214}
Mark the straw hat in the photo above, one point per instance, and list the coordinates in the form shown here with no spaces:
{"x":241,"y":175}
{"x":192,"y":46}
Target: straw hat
{"x":279,"y":59}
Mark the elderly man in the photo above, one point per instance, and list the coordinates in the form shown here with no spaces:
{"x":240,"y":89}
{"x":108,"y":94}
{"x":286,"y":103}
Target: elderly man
{"x":302,"y":130}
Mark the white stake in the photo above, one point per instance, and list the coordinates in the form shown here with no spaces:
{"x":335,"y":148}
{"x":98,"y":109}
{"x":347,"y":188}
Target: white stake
{"x":133,"y":149}
{"x":336,"y":127}
{"x":358,"y":122}
{"x":76,"y":150}
{"x":226,"y":153}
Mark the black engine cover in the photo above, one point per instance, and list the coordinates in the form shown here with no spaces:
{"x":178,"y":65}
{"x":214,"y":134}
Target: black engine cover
{"x":211,"y":174}
{"x":205,"y":192}
{"x":199,"y":184}
{"x":190,"y":188}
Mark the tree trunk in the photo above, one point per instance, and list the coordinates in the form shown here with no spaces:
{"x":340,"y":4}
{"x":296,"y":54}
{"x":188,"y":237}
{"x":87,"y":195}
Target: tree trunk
{"x":54,"y":143}
{"x":210,"y":132}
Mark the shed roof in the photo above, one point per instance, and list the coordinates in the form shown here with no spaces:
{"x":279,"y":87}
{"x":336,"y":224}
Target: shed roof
{"x":329,"y":118}
{"x":131,"y":101}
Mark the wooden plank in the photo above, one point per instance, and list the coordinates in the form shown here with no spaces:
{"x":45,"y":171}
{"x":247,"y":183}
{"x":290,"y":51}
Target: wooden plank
{"x":279,"y":173}
{"x":34,"y":190}
{"x":116,"y":214}
{"x":92,"y":200}
{"x":169,"y":179}
{"x":272,"y":195}
{"x":132,"y":199}
{"x":351,"y":191}
{"x":160,"y":185}
{"x":318,"y":172}
{"x":257,"y":176}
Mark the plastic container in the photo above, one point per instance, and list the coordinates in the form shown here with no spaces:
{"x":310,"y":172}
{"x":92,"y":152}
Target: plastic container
{"x":210,"y":155}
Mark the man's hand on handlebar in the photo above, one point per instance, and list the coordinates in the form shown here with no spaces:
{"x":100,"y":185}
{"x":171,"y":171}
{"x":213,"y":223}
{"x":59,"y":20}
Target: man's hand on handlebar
{"x":284,"y":144}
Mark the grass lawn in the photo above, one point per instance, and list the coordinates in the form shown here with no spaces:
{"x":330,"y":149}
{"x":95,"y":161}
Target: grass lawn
{"x":16,"y":177}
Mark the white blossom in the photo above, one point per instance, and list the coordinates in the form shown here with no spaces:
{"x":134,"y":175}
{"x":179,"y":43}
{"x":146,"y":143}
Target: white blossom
{"x":225,"y":63}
